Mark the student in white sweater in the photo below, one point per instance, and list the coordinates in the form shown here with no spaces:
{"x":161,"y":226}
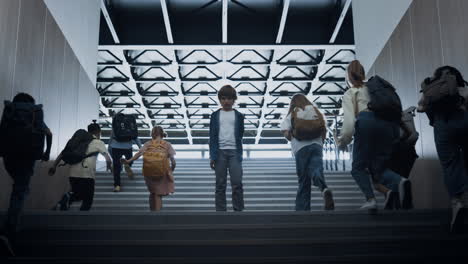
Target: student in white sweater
{"x":373,"y":143}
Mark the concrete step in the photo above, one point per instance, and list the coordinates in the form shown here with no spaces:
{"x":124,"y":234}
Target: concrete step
{"x":247,"y":237}
{"x":269,"y":184}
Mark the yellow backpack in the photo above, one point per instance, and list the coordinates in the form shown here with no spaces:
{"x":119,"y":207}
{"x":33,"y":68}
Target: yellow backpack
{"x":155,"y":160}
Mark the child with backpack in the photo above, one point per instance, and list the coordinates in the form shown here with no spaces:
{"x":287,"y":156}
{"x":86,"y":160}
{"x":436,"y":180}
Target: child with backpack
{"x":448,"y":115}
{"x":80,"y":154}
{"x":304,"y":126}
{"x":22,"y":134}
{"x":372,"y":113}
{"x":124,"y":134}
{"x":226,"y":132}
{"x":158,"y":174}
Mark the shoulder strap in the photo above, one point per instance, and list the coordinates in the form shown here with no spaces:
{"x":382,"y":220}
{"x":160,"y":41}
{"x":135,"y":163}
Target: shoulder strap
{"x":319,"y":114}
{"x":87,"y":156}
{"x":163,"y":144}
{"x":355,"y":104}
{"x":293,"y":117}
{"x":156,"y":144}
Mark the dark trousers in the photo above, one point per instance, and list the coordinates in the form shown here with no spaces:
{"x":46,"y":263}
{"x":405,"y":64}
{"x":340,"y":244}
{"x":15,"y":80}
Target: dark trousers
{"x":374,"y":141}
{"x":451,"y":139}
{"x":82,"y":189}
{"x":116,"y":155}
{"x":228,"y":160}
{"x":20,"y":170}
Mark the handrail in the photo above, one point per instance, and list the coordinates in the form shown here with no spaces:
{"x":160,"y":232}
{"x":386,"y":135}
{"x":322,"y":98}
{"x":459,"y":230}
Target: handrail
{"x":204,"y":150}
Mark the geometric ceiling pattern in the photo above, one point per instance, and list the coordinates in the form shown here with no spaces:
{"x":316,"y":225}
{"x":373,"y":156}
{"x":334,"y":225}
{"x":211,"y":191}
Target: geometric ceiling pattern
{"x":174,"y":84}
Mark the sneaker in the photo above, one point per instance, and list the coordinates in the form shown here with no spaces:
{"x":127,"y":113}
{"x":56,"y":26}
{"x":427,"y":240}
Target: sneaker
{"x":406,"y":198}
{"x":457,"y":205}
{"x":6,"y":246}
{"x":117,"y":188}
{"x":389,"y":198}
{"x":329,"y":204}
{"x":370,"y":204}
{"x":64,"y":203}
{"x":129,"y":171}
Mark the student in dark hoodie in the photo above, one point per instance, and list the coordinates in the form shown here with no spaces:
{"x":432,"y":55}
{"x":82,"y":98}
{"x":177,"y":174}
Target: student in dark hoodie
{"x":19,"y":158}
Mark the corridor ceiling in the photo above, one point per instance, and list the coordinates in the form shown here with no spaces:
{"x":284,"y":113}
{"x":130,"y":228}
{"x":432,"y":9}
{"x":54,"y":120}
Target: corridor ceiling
{"x":165,"y":60}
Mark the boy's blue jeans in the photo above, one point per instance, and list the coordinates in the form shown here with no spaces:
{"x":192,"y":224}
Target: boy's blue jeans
{"x":228,"y":160}
{"x":21,"y":171}
{"x":309,"y":168}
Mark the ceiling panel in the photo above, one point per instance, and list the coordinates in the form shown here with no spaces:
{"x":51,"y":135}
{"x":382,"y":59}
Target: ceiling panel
{"x":175,"y":85}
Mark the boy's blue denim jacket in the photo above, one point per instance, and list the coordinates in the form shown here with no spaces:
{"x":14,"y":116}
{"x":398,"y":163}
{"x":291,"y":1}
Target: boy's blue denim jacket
{"x":214,"y":134}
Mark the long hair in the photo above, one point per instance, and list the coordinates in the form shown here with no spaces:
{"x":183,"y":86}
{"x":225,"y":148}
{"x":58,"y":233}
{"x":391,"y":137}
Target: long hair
{"x":356,"y":73}
{"x":158,"y":131}
{"x":298,"y":100}
{"x":450,"y":70}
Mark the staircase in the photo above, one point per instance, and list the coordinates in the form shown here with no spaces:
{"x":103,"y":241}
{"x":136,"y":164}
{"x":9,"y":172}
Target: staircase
{"x":231,"y":237}
{"x":121,"y":229}
{"x":269,"y":185}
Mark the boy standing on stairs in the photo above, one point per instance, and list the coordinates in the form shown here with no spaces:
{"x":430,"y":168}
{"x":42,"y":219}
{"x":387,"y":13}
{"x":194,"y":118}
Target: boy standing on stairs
{"x":82,"y":174}
{"x":305,"y":127}
{"x":226,"y":132}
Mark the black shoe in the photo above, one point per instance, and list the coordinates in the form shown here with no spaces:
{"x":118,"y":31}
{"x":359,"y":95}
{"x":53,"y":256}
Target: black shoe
{"x":389,"y":200}
{"x":6,"y":249}
{"x":55,"y":207}
{"x":64,"y":203}
{"x":406,"y":198}
{"x":329,"y":203}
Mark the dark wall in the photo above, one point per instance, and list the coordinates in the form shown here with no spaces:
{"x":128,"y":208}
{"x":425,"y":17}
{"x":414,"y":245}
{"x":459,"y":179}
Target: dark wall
{"x":432,"y":33}
{"x":37,"y":59}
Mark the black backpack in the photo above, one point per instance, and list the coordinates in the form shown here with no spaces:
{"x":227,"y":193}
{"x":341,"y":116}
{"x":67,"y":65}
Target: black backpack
{"x":124,"y":127}
{"x":22,"y":130}
{"x":75,"y":150}
{"x":404,"y":151}
{"x":384,"y":101}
